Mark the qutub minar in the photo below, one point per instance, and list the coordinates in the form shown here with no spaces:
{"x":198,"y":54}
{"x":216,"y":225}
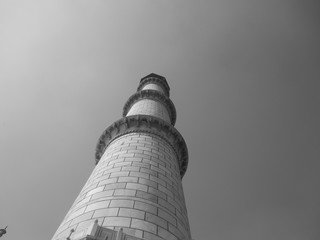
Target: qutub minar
{"x":135,"y":191}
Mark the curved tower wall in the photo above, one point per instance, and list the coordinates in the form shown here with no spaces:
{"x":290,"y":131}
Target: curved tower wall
{"x":150,"y":107}
{"x":136,"y":184}
{"x":153,"y":86}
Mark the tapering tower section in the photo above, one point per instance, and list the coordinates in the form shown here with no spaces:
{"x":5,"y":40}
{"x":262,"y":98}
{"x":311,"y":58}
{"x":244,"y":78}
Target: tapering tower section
{"x":135,"y":191}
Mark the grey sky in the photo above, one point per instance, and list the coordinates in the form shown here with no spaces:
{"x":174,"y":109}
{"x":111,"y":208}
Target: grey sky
{"x":244,"y":77}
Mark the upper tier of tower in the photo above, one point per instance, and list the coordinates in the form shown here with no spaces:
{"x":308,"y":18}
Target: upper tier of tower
{"x":148,"y":110}
{"x":152,"y":98}
{"x":155,"y":82}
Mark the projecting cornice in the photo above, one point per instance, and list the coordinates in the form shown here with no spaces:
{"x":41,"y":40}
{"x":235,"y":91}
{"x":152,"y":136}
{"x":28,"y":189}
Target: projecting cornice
{"x":147,"y":124}
{"x":154,"y":95}
{"x":157,"y":79}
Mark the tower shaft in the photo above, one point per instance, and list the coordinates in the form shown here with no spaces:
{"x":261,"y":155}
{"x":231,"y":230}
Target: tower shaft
{"x":135,"y":190}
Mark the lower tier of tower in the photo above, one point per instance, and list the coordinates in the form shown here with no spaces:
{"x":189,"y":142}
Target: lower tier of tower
{"x":135,"y":186}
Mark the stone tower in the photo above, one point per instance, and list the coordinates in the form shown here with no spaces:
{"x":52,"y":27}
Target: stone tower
{"x":135,"y":191}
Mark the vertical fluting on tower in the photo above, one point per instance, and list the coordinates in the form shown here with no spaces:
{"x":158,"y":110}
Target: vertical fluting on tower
{"x":136,"y":184}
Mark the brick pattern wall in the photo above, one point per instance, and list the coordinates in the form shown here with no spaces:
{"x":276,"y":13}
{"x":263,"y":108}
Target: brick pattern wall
{"x":150,"y":107}
{"x":153,"y":86}
{"x":137,"y":186}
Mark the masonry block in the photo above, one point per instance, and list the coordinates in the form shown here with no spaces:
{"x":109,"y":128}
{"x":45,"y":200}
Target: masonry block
{"x":106,"y":212}
{"x":133,"y":213}
{"x":97,"y":205}
{"x":144,"y":225}
{"x":122,"y":203}
{"x":117,"y":221}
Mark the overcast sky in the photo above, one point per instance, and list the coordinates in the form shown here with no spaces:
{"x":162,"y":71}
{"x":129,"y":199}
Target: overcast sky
{"x":244,"y":77}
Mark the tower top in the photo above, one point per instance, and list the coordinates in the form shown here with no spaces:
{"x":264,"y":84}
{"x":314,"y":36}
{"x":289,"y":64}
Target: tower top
{"x":157,"y":79}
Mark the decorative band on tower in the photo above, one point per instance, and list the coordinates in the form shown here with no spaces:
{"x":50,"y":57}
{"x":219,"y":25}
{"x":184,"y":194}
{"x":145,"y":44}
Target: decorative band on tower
{"x":155,"y":79}
{"x":147,"y":124}
{"x":135,"y":191}
{"x":153,"y":95}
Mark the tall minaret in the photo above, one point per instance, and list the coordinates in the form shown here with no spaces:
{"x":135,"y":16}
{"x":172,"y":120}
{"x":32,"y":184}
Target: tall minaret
{"x":135,"y":191}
